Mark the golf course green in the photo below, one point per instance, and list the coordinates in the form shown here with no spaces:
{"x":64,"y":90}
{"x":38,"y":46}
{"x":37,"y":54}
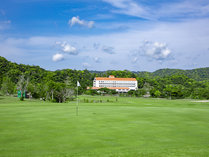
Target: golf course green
{"x":105,"y":126}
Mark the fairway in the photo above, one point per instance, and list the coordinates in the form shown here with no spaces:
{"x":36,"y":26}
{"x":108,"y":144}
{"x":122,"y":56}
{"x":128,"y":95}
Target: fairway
{"x":118,"y":126}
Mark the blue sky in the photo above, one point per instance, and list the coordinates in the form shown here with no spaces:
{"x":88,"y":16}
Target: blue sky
{"x":136,"y":35}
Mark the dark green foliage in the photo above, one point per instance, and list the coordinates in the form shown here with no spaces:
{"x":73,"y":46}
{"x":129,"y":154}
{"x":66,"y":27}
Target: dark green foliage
{"x":22,"y":98}
{"x":104,"y":90}
{"x":7,"y":87}
{"x":91,"y":92}
{"x":137,"y":93}
{"x":199,"y":74}
{"x":200,"y":93}
{"x":60,"y":85}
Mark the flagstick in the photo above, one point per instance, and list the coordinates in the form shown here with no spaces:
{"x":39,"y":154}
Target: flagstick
{"x":77,"y":103}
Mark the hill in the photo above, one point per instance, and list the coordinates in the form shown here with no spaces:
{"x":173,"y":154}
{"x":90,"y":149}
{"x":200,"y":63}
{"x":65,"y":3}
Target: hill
{"x":41,"y":83}
{"x":198,"y":74}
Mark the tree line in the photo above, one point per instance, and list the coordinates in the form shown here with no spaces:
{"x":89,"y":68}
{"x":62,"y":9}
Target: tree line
{"x":60,"y":85}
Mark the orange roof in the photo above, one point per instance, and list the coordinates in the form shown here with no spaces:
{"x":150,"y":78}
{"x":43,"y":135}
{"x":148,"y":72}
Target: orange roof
{"x":115,"y":79}
{"x":108,"y":87}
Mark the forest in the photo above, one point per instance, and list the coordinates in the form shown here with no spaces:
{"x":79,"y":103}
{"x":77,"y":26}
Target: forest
{"x":60,"y":85}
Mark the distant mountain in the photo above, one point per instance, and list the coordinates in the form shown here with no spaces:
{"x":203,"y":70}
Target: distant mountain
{"x":197,"y":74}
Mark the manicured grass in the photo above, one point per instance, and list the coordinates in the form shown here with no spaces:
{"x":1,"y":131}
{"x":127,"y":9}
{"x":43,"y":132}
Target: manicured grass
{"x":127,"y":127}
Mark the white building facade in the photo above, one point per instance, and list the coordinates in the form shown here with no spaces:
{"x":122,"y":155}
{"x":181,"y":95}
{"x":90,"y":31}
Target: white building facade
{"x":118,"y":84}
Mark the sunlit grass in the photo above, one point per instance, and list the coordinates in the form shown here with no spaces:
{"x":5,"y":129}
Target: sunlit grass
{"x":117,"y":126}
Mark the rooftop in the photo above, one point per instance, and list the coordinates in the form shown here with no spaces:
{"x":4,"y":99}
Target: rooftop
{"x":112,"y":78}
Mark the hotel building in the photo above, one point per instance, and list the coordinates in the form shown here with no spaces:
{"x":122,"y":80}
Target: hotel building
{"x":118,"y":84}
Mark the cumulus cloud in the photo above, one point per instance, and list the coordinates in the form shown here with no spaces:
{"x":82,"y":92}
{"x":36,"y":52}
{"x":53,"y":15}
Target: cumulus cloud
{"x":183,"y":39}
{"x":76,"y":20}
{"x":58,"y":57}
{"x":108,"y":49}
{"x":67,"y":48}
{"x":155,"y":50}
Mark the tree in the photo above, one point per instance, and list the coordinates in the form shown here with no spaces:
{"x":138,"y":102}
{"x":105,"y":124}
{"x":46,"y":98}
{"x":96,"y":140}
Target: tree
{"x":91,"y":92}
{"x":104,"y":90}
{"x":157,"y":93}
{"x":63,"y":91}
{"x":51,"y":86}
{"x":168,"y":91}
{"x":22,"y":85}
{"x":140,"y":92}
{"x":7,"y":86}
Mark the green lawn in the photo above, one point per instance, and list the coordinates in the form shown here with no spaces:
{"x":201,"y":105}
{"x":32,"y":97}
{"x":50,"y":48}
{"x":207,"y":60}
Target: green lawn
{"x":127,"y":127}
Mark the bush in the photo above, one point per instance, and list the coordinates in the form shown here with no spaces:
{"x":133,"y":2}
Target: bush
{"x":91,"y":92}
{"x":21,"y":98}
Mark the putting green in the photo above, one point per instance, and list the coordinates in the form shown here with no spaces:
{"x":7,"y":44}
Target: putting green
{"x":116,"y":127}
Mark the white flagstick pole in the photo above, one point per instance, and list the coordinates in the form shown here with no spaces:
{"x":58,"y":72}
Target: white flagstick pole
{"x":77,"y":103}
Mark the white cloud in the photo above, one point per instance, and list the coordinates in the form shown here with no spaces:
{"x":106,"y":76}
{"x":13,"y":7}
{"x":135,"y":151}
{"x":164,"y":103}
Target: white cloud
{"x":182,"y":9}
{"x":67,"y":48}
{"x":183,"y":39}
{"x":155,"y":50}
{"x":58,"y":57}
{"x":76,"y":20}
{"x":129,"y":7}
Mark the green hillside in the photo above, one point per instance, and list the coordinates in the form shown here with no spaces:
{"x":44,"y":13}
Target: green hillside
{"x":50,"y":85}
{"x":197,"y":74}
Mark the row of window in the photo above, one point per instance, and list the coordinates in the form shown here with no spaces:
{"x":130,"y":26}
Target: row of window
{"x":117,"y":83}
{"x":114,"y":86}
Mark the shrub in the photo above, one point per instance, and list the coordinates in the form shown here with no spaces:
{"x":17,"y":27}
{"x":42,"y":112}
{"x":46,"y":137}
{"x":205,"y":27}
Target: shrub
{"x":21,"y":98}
